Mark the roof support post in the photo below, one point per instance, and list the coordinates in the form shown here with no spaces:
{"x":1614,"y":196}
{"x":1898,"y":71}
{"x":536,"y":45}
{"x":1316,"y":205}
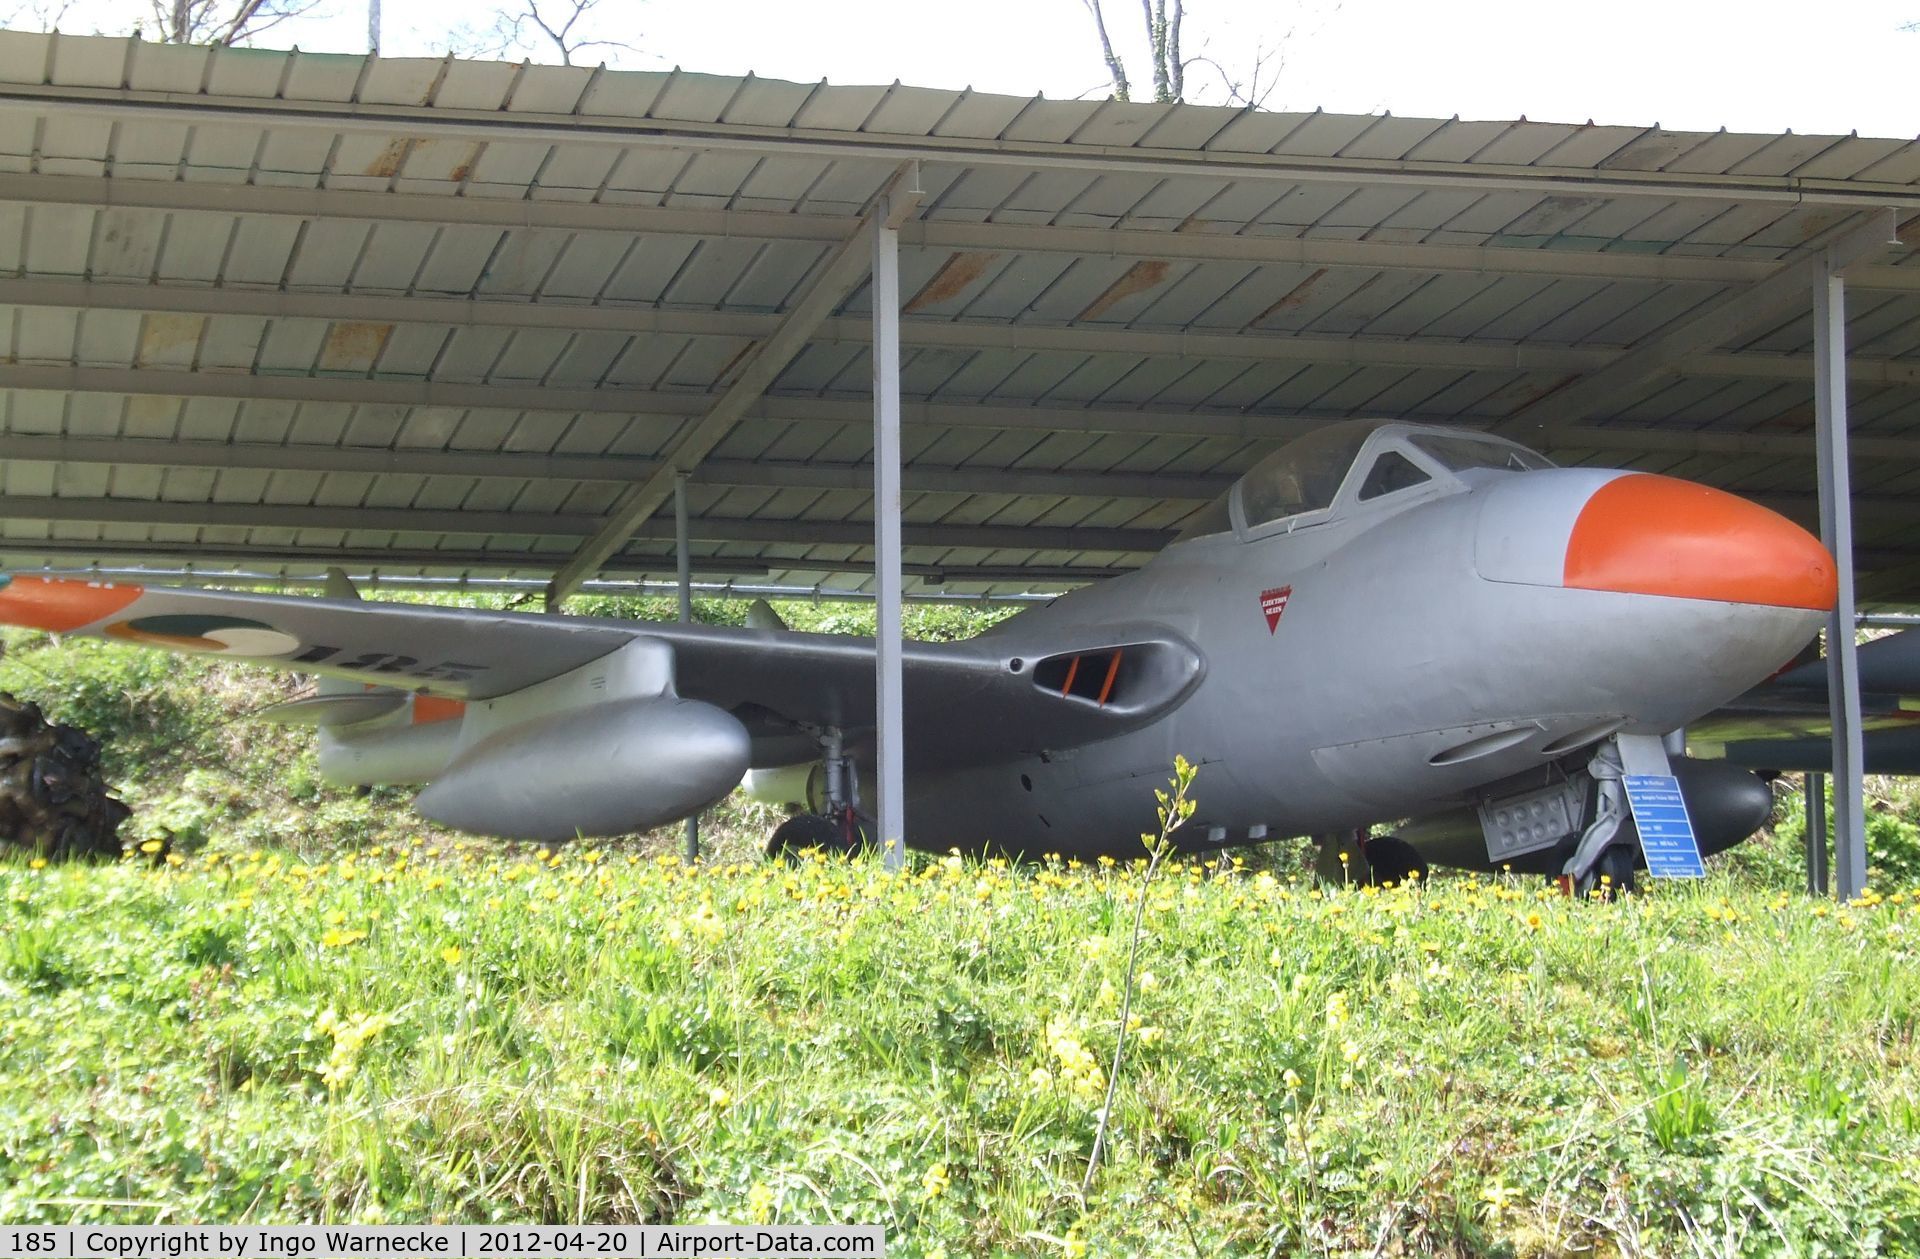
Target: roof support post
{"x":1814,"y":796}
{"x":836,"y":277}
{"x":1836,"y":530}
{"x":889,"y":715}
{"x":683,"y":562}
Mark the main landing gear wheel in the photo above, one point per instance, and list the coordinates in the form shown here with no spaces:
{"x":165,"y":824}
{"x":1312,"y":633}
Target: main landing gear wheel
{"x":1614,"y":874}
{"x":813,"y":830}
{"x":1391,"y":859}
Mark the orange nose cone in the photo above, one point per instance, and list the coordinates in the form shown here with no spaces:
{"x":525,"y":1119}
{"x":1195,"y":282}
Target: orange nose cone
{"x":1655,"y":535}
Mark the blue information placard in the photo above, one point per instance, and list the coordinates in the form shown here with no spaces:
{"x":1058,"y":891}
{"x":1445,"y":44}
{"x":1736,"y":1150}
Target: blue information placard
{"x":1666,"y":833}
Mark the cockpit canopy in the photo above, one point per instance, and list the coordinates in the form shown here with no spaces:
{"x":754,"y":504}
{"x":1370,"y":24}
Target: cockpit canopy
{"x":1345,"y":466}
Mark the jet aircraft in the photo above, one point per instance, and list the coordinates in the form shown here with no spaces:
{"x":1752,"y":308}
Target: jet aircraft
{"x":1379,"y":622}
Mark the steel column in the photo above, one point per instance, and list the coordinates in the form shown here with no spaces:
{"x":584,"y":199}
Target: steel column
{"x":1815,"y":791}
{"x":889,"y":758}
{"x":1836,"y":530}
{"x":683,"y":563}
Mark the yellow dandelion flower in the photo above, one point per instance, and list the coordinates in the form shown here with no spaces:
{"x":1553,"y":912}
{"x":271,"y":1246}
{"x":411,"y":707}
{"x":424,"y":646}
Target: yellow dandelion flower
{"x":152,"y":846}
{"x":760,"y":1203}
{"x":451,"y":955}
{"x":936,"y":1180}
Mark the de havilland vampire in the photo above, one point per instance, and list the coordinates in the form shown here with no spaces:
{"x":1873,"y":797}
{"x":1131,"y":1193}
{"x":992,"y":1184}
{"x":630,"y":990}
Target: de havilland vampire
{"x":1380,"y":621}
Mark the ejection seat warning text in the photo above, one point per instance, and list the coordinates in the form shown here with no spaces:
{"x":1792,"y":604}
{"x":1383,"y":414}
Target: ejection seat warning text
{"x":180,"y":1241}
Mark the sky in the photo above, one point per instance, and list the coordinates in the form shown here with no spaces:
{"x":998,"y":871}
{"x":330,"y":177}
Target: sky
{"x":1760,"y":65}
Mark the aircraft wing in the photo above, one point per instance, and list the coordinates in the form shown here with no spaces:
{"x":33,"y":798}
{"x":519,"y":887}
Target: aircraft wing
{"x":1783,"y":724}
{"x":965,"y":702}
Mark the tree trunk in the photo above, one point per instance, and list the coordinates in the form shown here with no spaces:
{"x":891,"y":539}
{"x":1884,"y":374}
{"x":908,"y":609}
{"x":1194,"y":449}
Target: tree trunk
{"x":53,"y":799}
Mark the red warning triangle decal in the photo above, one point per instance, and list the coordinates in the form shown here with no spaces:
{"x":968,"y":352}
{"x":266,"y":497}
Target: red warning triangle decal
{"x":1274,"y":604}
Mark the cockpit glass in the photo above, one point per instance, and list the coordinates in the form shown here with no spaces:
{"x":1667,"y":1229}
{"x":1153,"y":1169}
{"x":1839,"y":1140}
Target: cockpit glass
{"x":1457,"y":454}
{"x":1303,"y":475}
{"x":1391,"y":472}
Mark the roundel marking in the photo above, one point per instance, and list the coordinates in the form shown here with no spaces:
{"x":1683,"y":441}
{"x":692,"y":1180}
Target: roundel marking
{"x":223,"y":635}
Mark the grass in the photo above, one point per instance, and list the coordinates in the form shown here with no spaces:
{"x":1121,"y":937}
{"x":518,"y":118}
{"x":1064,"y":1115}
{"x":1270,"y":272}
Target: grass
{"x":321,"y":1009}
{"x":443,"y":1030}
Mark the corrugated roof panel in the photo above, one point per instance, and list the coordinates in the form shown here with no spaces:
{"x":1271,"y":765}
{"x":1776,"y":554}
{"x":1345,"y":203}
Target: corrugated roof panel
{"x":24,"y":57}
{"x":1377,"y":294}
{"x":1296,"y":208}
{"x":522,"y":264}
{"x":329,"y":77}
{"x":1589,"y":146}
{"x":82,"y":62}
{"x":1718,"y":153}
{"x":457,"y":259}
{"x":74,"y":145}
{"x":980,"y":115}
{"x":1295,"y":304}
{"x":622,"y":93}
{"x":481,"y":85}
{"x":1049,"y":122}
{"x":589,"y":356}
{"x":1106,"y":200}
{"x":1118,"y":124}
{"x":848,"y":186}
{"x":1391,"y":138}
{"x":1654,"y":149}
{"x":125,"y":245}
{"x":910,"y":111}
{"x":1900,"y":166}
{"x":1255,"y":132}
{"x":490,"y":429}
{"x":292,"y":159}
{"x":1675,"y":222}
{"x":400,"y":80}
{"x":531,"y":355}
{"x":53,"y":336}
{"x":549,"y":89}
{"x":1323,"y":135}
{"x":778,"y":183}
{"x":1849,"y":157}
{"x":1007,"y":294}
{"x":468,"y":355}
{"x":842,"y":108}
{"x":436,"y":166}
{"x":643,"y":176}
{"x":711,"y":180}
{"x":646,"y":361}
{"x":150,"y":149}
{"x":644,"y":275}
{"x":507,"y":170}
{"x":257,"y":253}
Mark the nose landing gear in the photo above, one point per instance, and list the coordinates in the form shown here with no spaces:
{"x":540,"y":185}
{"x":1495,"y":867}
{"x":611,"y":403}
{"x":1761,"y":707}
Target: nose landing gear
{"x":1609,"y":848}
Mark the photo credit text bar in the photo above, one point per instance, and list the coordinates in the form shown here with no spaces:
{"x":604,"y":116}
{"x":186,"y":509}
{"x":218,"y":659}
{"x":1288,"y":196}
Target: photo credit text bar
{"x":454,"y":1241}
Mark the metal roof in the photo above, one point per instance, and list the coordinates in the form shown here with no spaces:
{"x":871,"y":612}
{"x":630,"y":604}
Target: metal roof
{"x":282,"y":310}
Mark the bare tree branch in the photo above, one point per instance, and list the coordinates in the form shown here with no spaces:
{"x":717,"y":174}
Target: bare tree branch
{"x":1115,"y":69}
{"x":219,"y":22}
{"x":567,"y":25}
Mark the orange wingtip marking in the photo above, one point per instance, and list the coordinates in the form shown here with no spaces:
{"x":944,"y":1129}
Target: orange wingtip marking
{"x":1657,"y":535}
{"x":59,"y":604}
{"x":428,"y":709}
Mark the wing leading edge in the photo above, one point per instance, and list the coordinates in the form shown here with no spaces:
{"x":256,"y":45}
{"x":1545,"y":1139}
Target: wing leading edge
{"x":966,"y":702}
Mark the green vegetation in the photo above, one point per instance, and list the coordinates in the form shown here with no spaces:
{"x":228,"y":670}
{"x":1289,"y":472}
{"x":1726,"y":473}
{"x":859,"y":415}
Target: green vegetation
{"x":455,"y":1031}
{"x":309,"y":1006}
